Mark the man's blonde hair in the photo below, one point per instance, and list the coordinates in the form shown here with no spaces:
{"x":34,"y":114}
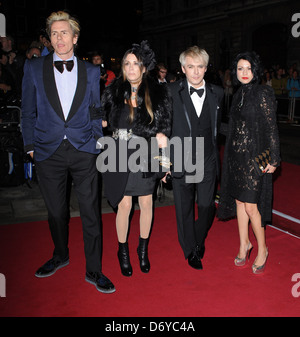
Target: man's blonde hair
{"x":194,"y":52}
{"x":63,"y":16}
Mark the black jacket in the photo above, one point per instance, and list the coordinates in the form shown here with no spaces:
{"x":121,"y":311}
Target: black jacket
{"x":182,"y":108}
{"x":113,"y":101}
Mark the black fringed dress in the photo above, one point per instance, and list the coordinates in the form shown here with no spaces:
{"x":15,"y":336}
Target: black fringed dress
{"x":119,"y":183}
{"x":252,"y":129}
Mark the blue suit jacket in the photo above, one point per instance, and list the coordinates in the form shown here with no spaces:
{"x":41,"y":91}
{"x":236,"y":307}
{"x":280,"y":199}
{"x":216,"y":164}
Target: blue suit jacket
{"x":43,"y":122}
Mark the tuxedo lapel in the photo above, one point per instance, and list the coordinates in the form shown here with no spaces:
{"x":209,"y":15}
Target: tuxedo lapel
{"x":50,"y":86}
{"x":80,"y":90}
{"x":186,"y":102}
{"x":213,"y":107}
{"x":51,"y":89}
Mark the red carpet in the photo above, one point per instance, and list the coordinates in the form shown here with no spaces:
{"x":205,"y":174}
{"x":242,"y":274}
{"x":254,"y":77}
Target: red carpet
{"x":171,"y":289}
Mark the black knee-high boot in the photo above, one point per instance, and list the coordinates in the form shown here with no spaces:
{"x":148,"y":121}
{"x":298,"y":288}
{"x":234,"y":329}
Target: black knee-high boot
{"x":142,"y":251}
{"x":123,"y":255}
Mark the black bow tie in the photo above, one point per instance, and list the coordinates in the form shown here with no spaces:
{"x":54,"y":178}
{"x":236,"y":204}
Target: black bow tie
{"x":59,"y":65}
{"x":198,"y":91}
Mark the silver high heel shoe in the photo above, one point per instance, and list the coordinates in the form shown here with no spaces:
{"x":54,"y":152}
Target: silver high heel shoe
{"x":260,"y":269}
{"x":239,"y":262}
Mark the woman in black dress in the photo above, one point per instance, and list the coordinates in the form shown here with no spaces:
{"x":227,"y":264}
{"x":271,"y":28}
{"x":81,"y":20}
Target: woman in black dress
{"x":252,"y":129}
{"x":134,"y":106}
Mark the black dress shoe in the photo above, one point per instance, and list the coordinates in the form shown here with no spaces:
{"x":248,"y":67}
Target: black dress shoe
{"x":195,"y":261}
{"x":50,"y":267}
{"x":200,"y":251}
{"x":102,"y":283}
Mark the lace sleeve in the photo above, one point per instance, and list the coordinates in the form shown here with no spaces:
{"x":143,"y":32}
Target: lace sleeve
{"x":268,"y":106}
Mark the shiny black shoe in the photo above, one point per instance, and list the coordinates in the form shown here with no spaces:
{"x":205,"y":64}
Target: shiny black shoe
{"x":102,"y":283}
{"x":50,"y":267}
{"x":200,"y":251}
{"x":195,"y":261}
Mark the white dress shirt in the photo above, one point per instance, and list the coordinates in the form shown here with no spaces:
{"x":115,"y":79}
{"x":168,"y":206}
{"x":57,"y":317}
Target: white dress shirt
{"x":198,"y":101}
{"x":66,"y":84}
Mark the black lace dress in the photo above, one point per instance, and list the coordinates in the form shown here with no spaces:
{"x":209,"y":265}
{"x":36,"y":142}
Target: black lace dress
{"x":252,"y":129}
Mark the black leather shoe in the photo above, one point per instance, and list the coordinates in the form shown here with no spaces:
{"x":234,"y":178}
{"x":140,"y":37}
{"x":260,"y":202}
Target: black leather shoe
{"x":200,"y":251}
{"x":50,"y":267}
{"x":194,"y":261}
{"x":102,"y":283}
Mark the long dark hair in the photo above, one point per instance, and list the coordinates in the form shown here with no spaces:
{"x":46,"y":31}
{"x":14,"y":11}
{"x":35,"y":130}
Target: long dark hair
{"x":144,"y":79}
{"x":256,"y":66}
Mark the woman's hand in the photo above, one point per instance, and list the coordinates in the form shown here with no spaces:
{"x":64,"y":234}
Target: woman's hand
{"x":162,"y":140}
{"x":164,"y":179}
{"x":269,"y":169}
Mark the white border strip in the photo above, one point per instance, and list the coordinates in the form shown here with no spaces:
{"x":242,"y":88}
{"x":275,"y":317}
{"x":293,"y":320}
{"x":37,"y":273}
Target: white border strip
{"x":285,"y":232}
{"x":288,"y":217}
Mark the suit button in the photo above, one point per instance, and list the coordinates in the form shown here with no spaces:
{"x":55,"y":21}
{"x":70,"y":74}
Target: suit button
{"x":66,"y":126}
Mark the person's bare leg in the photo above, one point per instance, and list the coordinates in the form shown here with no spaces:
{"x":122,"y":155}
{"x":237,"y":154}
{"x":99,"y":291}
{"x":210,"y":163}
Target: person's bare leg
{"x":259,"y":232}
{"x":145,"y":203}
{"x":243,"y":226}
{"x":122,"y":219}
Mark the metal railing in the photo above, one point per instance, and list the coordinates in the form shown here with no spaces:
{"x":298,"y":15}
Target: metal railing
{"x":288,"y":109}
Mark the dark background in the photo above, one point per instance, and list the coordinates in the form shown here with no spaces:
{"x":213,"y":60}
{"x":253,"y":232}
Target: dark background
{"x":107,"y":26}
{"x":223,"y":28}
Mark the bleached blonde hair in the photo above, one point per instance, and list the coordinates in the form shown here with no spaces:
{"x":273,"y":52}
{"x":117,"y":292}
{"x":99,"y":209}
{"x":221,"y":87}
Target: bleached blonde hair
{"x":194,"y":52}
{"x":63,"y":16}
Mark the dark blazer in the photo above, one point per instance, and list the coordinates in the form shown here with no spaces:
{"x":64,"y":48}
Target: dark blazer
{"x":43,"y":122}
{"x":182,"y":108}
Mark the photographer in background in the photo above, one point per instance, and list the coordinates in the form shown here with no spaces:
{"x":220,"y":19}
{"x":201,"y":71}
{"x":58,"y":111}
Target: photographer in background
{"x":107,"y":76}
{"x":15,"y":62}
{"x":7,"y":87}
{"x":33,"y":52}
{"x":46,"y":47}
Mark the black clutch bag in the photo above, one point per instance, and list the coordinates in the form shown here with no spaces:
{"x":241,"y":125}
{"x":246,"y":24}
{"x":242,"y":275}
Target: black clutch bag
{"x":261,"y":161}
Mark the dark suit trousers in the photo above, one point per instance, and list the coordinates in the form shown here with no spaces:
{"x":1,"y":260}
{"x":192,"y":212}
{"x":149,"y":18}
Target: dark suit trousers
{"x":52,"y":176}
{"x":191,"y":231}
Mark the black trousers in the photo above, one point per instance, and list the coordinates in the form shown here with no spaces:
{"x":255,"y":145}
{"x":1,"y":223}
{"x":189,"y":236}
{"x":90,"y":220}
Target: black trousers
{"x":191,"y":231}
{"x":52,"y":175}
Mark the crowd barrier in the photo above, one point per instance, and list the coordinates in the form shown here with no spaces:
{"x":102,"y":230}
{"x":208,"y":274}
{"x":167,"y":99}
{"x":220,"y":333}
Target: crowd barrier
{"x":11,"y":147}
{"x":288,"y":109}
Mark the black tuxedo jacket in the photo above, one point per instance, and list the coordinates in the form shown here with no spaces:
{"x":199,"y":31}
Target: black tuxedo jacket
{"x":181,"y":125}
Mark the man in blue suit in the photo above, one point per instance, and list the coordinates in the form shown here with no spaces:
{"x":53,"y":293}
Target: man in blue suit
{"x":61,"y":124}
